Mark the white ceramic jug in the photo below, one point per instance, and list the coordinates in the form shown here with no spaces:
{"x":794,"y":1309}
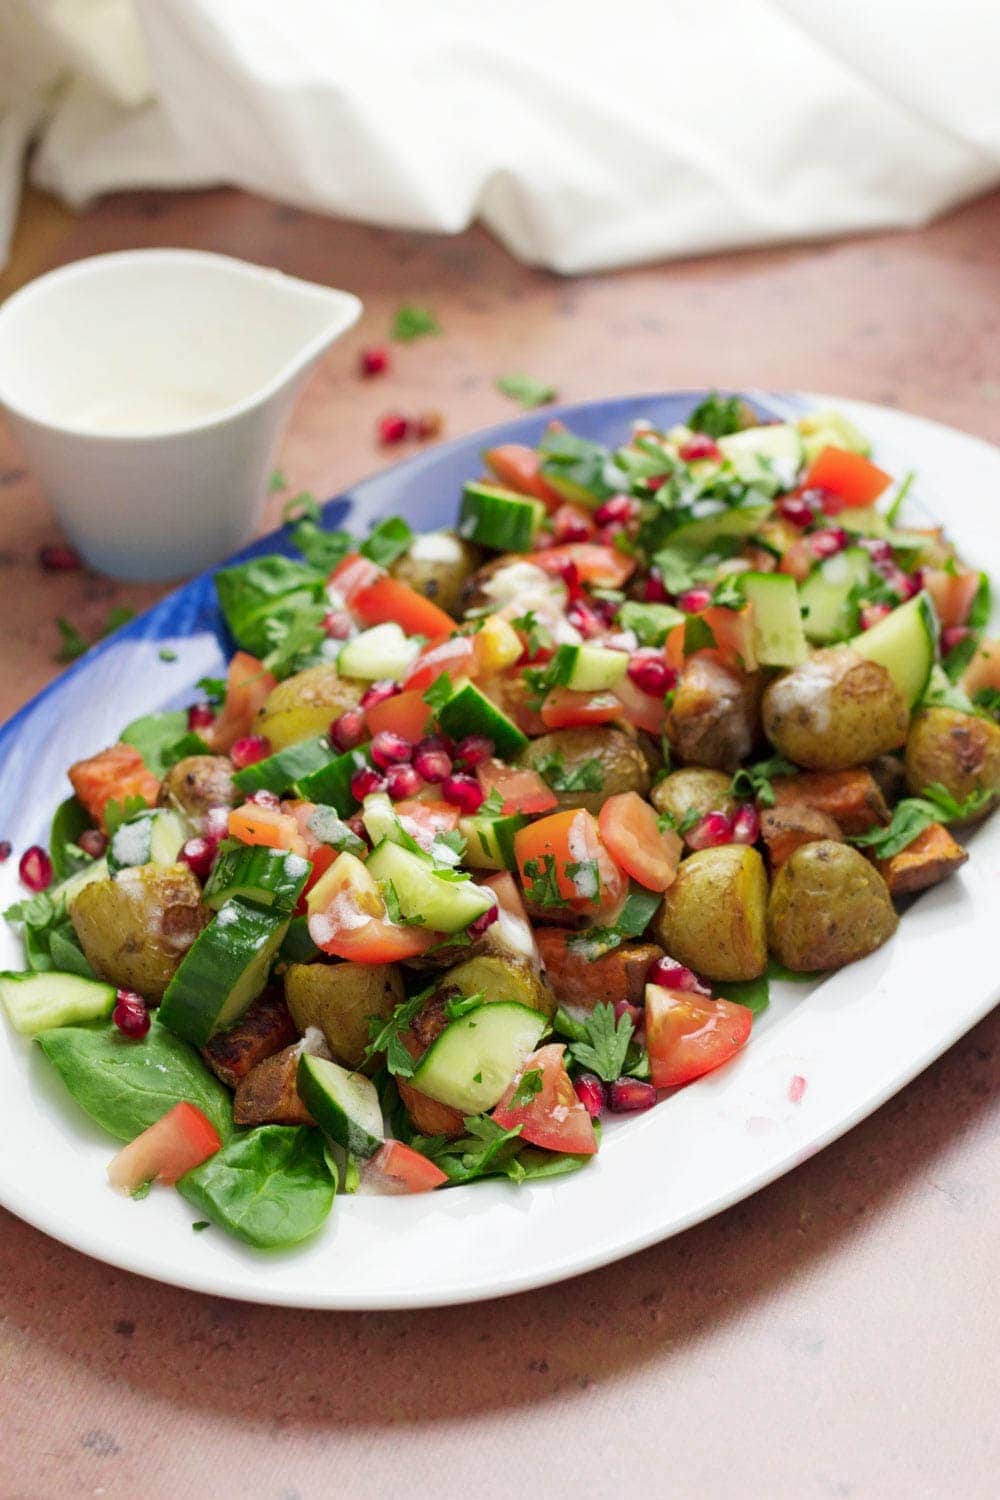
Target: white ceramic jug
{"x":149,"y":389}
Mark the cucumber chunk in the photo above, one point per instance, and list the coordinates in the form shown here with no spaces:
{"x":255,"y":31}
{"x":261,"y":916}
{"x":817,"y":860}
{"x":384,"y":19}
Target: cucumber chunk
{"x":38,"y":1002}
{"x":588,"y":669}
{"x":382,"y":651}
{"x":270,"y":877}
{"x":223,"y":971}
{"x":427,"y":897}
{"x":760,"y":454}
{"x":343,"y":1104}
{"x":500,"y":518}
{"x":700,"y":536}
{"x":468,"y":711}
{"x":905,"y":643}
{"x":331,"y":784}
{"x":149,"y":838}
{"x":778,"y":637}
{"x":489,"y":842}
{"x":825,"y":597}
{"x":281,"y":771}
{"x":476,"y":1058}
{"x":97,"y":870}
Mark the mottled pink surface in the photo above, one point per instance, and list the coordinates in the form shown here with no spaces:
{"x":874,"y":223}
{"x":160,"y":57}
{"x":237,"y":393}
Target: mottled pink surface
{"x":833,"y":1336}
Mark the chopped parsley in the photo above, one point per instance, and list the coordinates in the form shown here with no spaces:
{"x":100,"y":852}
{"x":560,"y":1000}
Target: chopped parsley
{"x":987,"y":700}
{"x":539,"y":638}
{"x":585,"y":776}
{"x":167,"y":653}
{"x":606,"y":1045}
{"x":528,"y":1086}
{"x":631,"y":922}
{"x":384,"y":1033}
{"x":717,"y":416}
{"x":214,"y":688}
{"x":914,"y":814}
{"x":460,"y":1005}
{"x":413,"y":322}
{"x":526,"y":391}
{"x":493,"y":805}
{"x":542,"y":882}
{"x":387,"y":541}
{"x":755,"y":781}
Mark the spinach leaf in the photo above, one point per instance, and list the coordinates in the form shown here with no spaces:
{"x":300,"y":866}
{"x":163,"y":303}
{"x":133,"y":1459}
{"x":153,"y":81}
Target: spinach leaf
{"x":253,"y":594}
{"x":632,"y":921}
{"x":69,"y":821}
{"x":155,"y":734}
{"x":126,"y":1086}
{"x":914,"y":814}
{"x":755,"y":994}
{"x":387,"y":541}
{"x":66,"y":954}
{"x":526,"y":390}
{"x":271,"y":1187}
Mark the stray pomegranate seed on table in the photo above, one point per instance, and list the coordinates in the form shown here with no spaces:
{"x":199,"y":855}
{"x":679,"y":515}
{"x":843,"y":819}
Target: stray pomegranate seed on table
{"x":429,"y":424}
{"x":59,"y":558}
{"x":5,"y":848}
{"x":392,"y":428}
{"x":374,"y":361}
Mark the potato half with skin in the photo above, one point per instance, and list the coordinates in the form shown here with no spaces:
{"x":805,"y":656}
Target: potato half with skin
{"x":621,"y":764}
{"x":713,"y":917}
{"x":136,"y":927}
{"x":198,"y":783}
{"x":714,"y":719}
{"x":836,"y":710}
{"x":437,"y":565}
{"x":828,"y":907}
{"x":498,"y":979}
{"x":305,"y":703}
{"x":339,"y":999}
{"x":693,"y":789}
{"x":962,"y":751}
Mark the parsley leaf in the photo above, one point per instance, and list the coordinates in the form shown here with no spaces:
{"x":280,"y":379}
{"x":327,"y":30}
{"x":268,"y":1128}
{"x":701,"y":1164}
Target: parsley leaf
{"x":528,"y":1086}
{"x":586,"y":776}
{"x":652,"y":623}
{"x":214,"y":688}
{"x":633,"y":919}
{"x":385,"y":1035}
{"x":492,"y":807}
{"x":459,"y":1005}
{"x":487,"y":1150}
{"x":277,"y":482}
{"x":448,"y":846}
{"x":539,"y":637}
{"x":526,"y":391}
{"x":438,"y":693}
{"x":717,"y":416}
{"x":301,"y":506}
{"x":676,"y":571}
{"x":73,"y":644}
{"x":542,"y":882}
{"x":387,"y":541}
{"x":413,"y":322}
{"x":987,"y":700}
{"x":698,"y":635}
{"x":913,"y":814}
{"x":607,"y":1042}
{"x":755,"y":781}
{"x":116,"y":813}
{"x":728,"y":594}
{"x":323,"y":549}
{"x":294,"y":638}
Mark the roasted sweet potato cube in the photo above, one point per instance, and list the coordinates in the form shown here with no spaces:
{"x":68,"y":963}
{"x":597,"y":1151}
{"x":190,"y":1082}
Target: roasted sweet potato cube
{"x":261,"y":1032}
{"x":113,"y":775}
{"x":268,"y":1095}
{"x":788,"y":825}
{"x":430,"y":1117}
{"x":573,"y":979}
{"x":852,"y":798}
{"x":932,"y":856}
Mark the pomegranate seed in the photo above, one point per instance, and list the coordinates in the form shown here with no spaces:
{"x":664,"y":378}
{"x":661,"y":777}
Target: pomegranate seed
{"x":651,"y":674}
{"x":952,"y":636}
{"x":746,"y":824}
{"x":674,"y":976}
{"x":694,"y":601}
{"x":131,"y":1014}
{"x":620,"y":508}
{"x":474,"y":749}
{"x":357,"y":827}
{"x":199,"y":856}
{"x":713,"y":829}
{"x":215,"y":823}
{"x":200,"y":716}
{"x":365,"y":780}
{"x":795,"y":510}
{"x":337,"y":625}
{"x":35,"y":868}
{"x":656,"y":481}
{"x":463,"y":792}
{"x":570,"y":528}
{"x":379,"y":692}
{"x":59,"y":559}
{"x":484,"y":921}
{"x":429,"y":424}
{"x":437,"y":741}
{"x":389,"y":749}
{"x":626,"y":1096}
{"x":264,"y":798}
{"x":5,"y":848}
{"x":402,"y":781}
{"x":872,"y":613}
{"x":634,"y":1013}
{"x":392,"y":428}
{"x":374,"y":361}
{"x":249,"y":749}
{"x":878,"y":551}
{"x":823,"y":499}
{"x":698,"y":447}
{"x":828,"y":543}
{"x":904,"y":584}
{"x":432,"y":764}
{"x":653,"y":591}
{"x":590,"y":1092}
{"x":582,"y":618}
{"x":93,"y":842}
{"x":349,"y":730}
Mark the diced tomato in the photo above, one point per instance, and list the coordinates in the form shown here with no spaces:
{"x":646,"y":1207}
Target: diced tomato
{"x":397,"y":1168}
{"x":113,"y":775}
{"x":391,"y":599}
{"x":638,"y":708}
{"x":631,"y":833}
{"x":406,"y":714}
{"x":732,"y":631}
{"x":566,"y":848}
{"x":952,"y":593}
{"x":455,"y":655}
{"x":563,"y":708}
{"x":520,"y":468}
{"x":551,"y":1116}
{"x":178,"y":1142}
{"x":504,"y":887}
{"x":267,"y":826}
{"x":602,"y":566}
{"x":347,"y":918}
{"x":983,"y":670}
{"x":513,"y":923}
{"x":248,"y":685}
{"x":573,"y":518}
{"x":688,"y":1034}
{"x":321,"y":856}
{"x":352,"y":574}
{"x":522,"y":790}
{"x":423,"y":818}
{"x":853,"y":478}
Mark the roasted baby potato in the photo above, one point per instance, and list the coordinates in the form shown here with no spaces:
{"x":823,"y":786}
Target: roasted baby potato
{"x":196,"y":784}
{"x":575,"y":980}
{"x":498,"y":979}
{"x":836,"y":710}
{"x":437,"y":565}
{"x":262,"y":1030}
{"x":339,"y":998}
{"x":713,"y":917}
{"x":268,"y":1095}
{"x":305,"y":703}
{"x":962,"y":751}
{"x":828,"y":906}
{"x":136,"y":927}
{"x":693,"y":789}
{"x":932,"y":857}
{"x":714,"y":719}
{"x":586,"y":756}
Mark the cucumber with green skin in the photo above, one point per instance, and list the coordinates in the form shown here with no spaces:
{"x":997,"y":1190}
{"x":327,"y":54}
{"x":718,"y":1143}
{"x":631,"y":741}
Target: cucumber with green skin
{"x":700,"y":536}
{"x":489,"y":842}
{"x":269,"y":877}
{"x":279,"y":772}
{"x":153,"y":837}
{"x":778,"y":637}
{"x":469,"y":711}
{"x":331,"y":784}
{"x":825,"y":597}
{"x":587,"y":669}
{"x":476,"y":1058}
{"x":427,"y":897}
{"x":905,"y":643}
{"x":344,"y":1104}
{"x":223,"y":971}
{"x":496,"y":517}
{"x":40,"y":1002}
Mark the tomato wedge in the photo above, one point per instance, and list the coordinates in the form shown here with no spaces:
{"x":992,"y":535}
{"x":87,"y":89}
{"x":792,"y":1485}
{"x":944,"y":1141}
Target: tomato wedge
{"x":456,"y":656}
{"x":640,"y":709}
{"x":248,"y":684}
{"x":953,"y":593}
{"x":543,"y":1101}
{"x":397,"y":1168}
{"x":423,"y":818}
{"x":266,"y":826}
{"x":563,"y":863}
{"x":573,"y":519}
{"x":855,"y":480}
{"x":513,"y":927}
{"x":178,"y":1142}
{"x":631,"y":833}
{"x":602,"y":566}
{"x":391,"y":599}
{"x":688,"y":1035}
{"x":406,"y":714}
{"x":347,"y":918}
{"x":563,"y":708}
{"x":352,"y":573}
{"x":520,"y":469}
{"x":522,"y":790}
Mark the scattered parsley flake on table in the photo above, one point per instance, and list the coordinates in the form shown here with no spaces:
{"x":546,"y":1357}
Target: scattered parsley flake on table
{"x":526,"y":390}
{"x":413,"y":322}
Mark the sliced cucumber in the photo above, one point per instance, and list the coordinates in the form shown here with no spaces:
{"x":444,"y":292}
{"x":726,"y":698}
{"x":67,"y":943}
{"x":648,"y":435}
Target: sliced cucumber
{"x":297,"y":947}
{"x":97,"y":870}
{"x":778,"y":637}
{"x":380,"y":820}
{"x":281,"y":771}
{"x":269,"y":877}
{"x":38,"y":1002}
{"x":765,"y":453}
{"x":489,"y":842}
{"x":476,"y":1058}
{"x":331,"y":784}
{"x":427,"y":897}
{"x":588,"y":669}
{"x":153,"y":837}
{"x":224,"y":970}
{"x":500,"y":518}
{"x":382,"y":651}
{"x":905,"y":643}
{"x":652,"y":623}
{"x":830,"y":429}
{"x":700,"y":536}
{"x":825,"y":597}
{"x":468,"y":711}
{"x":344,"y":1105}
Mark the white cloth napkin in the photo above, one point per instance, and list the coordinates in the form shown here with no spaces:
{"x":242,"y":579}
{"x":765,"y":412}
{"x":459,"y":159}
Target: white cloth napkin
{"x":586,"y":134}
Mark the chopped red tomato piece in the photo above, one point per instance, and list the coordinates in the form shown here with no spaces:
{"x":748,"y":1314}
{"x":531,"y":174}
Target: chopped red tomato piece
{"x":347,"y":918}
{"x":248,"y":685}
{"x":424,"y":818}
{"x":543,"y":1101}
{"x":640,"y":709}
{"x":572,"y":521}
{"x":397,"y":1168}
{"x":455,"y":655}
{"x":983,"y":670}
{"x":267,"y":826}
{"x":953,"y":593}
{"x":177,"y":1143}
{"x":390,"y":599}
{"x":688,"y":1034}
{"x":602,"y":566}
{"x":632,"y":835}
{"x":563,"y":863}
{"x":563,"y":708}
{"x":520,"y":468}
{"x":113,"y":775}
{"x":351,"y":574}
{"x":522,"y":790}
{"x":855,"y":480}
{"x":732,"y":631}
{"x":513,"y":924}
{"x":406,"y":714}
